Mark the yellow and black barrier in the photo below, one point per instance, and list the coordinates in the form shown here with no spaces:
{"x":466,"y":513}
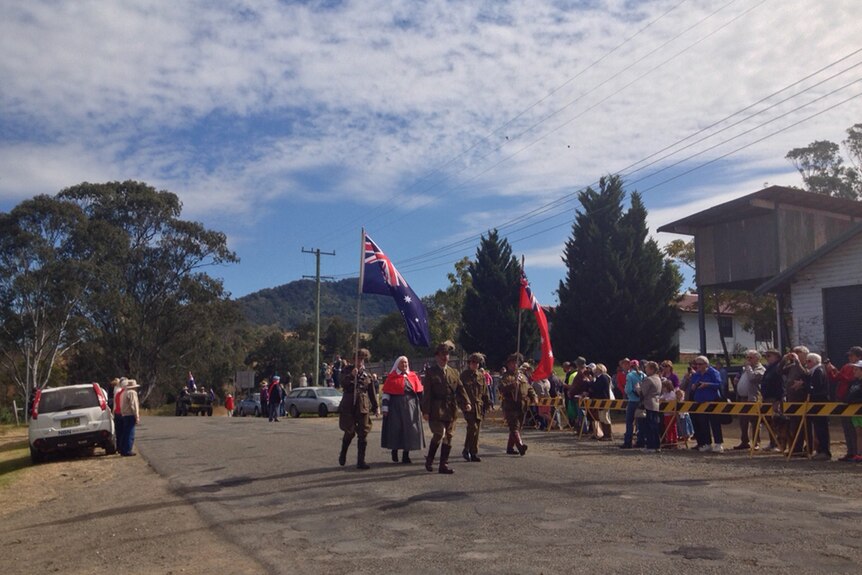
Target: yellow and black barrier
{"x":557,"y":407}
{"x":763,"y":411}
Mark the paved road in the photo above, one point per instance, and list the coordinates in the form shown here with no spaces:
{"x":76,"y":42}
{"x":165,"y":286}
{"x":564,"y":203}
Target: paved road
{"x":567,"y":506}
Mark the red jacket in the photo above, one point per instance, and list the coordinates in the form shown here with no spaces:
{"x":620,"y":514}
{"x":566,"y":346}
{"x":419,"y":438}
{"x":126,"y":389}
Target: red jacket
{"x":842,"y":379}
{"x":394,"y":384}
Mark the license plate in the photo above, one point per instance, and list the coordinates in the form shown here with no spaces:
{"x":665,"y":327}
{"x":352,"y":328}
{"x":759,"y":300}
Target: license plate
{"x":71,"y":422}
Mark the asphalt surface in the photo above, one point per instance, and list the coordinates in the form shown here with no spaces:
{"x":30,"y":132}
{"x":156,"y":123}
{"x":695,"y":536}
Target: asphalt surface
{"x":569,"y":505}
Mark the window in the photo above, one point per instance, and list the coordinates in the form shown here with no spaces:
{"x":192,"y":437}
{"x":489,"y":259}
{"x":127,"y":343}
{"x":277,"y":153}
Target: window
{"x":725,"y":326}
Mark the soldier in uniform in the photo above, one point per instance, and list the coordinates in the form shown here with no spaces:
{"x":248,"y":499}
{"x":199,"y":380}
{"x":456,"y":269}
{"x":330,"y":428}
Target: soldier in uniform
{"x":444,"y":392}
{"x":357,"y":404}
{"x":477,"y":391}
{"x":517,"y":394}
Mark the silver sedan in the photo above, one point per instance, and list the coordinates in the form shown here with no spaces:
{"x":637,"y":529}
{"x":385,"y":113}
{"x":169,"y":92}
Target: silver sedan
{"x":319,"y":400}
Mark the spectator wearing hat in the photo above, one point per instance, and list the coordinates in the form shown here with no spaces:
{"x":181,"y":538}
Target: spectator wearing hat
{"x":274,"y":397}
{"x":840,"y":381}
{"x":402,"y":421}
{"x":476,"y":387}
{"x":706,"y":387}
{"x":517,"y":395}
{"x":444,"y":393}
{"x":131,"y":417}
{"x":358,"y":402}
{"x":633,"y":379}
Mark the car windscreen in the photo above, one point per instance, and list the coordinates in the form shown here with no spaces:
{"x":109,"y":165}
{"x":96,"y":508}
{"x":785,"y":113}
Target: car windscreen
{"x":65,"y":399}
{"x":327,"y":392}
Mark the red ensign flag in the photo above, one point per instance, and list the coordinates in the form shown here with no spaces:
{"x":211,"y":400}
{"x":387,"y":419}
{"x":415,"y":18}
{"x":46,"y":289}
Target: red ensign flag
{"x":528,"y":301}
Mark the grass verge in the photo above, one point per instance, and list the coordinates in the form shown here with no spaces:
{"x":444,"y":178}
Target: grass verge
{"x":14,"y":453}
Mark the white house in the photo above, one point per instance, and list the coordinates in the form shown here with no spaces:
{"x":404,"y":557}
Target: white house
{"x":826,"y":296}
{"x":688,"y":337}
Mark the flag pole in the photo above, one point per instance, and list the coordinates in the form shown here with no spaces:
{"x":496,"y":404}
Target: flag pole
{"x":520,"y":311}
{"x":359,"y":307}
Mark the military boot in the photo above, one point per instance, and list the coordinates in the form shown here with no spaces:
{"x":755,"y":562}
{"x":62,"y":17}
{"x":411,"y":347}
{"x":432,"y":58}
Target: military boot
{"x":510,"y":446}
{"x":429,"y":459}
{"x":522,"y":448}
{"x":342,"y":458}
{"x":360,"y":458}
{"x":405,"y":457}
{"x":444,"y":460}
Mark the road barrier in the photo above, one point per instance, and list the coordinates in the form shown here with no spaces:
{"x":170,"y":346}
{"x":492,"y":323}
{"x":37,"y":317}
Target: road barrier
{"x":763,"y":411}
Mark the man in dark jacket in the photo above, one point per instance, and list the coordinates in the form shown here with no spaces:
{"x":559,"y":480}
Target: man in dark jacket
{"x":772,"y":391}
{"x":818,"y":391}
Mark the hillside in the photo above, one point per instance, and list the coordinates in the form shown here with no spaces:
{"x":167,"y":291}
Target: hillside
{"x":292,"y":304}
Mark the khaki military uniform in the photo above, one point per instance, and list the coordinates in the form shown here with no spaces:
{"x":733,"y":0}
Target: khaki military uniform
{"x":443,"y":393}
{"x":477,"y":392}
{"x":357,"y":404}
{"x":517,"y":396}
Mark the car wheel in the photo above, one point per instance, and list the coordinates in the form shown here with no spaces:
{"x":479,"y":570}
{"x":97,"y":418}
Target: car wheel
{"x":294,"y":412}
{"x":322,"y":411}
{"x":110,"y":447}
{"x":36,"y":456}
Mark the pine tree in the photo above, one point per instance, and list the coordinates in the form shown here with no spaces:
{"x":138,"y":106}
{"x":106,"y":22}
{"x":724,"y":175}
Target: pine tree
{"x":489,"y":319}
{"x":618,"y":297}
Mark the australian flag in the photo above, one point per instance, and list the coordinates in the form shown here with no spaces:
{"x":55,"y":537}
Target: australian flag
{"x":379,"y":276}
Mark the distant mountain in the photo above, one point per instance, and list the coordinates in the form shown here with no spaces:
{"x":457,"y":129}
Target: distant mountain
{"x":292,"y":304}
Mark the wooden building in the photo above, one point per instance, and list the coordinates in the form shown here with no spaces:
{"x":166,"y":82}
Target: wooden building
{"x":762,"y":241}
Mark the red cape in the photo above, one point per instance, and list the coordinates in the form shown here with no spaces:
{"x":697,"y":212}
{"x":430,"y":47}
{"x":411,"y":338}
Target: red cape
{"x":394,"y":384}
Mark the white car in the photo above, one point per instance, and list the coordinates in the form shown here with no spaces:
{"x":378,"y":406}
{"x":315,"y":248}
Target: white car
{"x":319,"y":400}
{"x":71,"y":418}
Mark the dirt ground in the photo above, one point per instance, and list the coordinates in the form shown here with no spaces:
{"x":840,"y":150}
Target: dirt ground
{"x":104,"y":514}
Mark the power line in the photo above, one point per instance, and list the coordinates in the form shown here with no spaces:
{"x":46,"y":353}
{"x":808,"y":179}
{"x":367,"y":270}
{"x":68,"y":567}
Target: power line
{"x":412,"y":263}
{"x":568,"y":197}
{"x":385,"y":211}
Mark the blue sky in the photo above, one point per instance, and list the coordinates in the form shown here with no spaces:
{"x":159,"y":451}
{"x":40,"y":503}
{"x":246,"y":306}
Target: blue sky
{"x":293,"y":124}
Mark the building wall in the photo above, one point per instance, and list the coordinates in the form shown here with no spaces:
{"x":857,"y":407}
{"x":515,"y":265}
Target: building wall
{"x":841,"y":267}
{"x":689,"y":336}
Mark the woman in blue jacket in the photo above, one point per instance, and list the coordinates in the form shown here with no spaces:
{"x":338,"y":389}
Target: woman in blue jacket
{"x":706,"y":386}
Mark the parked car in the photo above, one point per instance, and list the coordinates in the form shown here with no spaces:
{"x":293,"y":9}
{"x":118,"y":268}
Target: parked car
{"x":319,"y":400}
{"x":249,"y":406}
{"x":71,"y":418}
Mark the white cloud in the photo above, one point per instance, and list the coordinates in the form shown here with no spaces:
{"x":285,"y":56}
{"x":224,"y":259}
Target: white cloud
{"x":380,"y":107}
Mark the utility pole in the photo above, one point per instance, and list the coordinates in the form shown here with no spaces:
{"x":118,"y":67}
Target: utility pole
{"x":317,"y":278}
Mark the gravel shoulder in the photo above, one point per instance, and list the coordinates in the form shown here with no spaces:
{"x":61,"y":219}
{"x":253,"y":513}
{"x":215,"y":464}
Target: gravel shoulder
{"x":105,"y":514}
